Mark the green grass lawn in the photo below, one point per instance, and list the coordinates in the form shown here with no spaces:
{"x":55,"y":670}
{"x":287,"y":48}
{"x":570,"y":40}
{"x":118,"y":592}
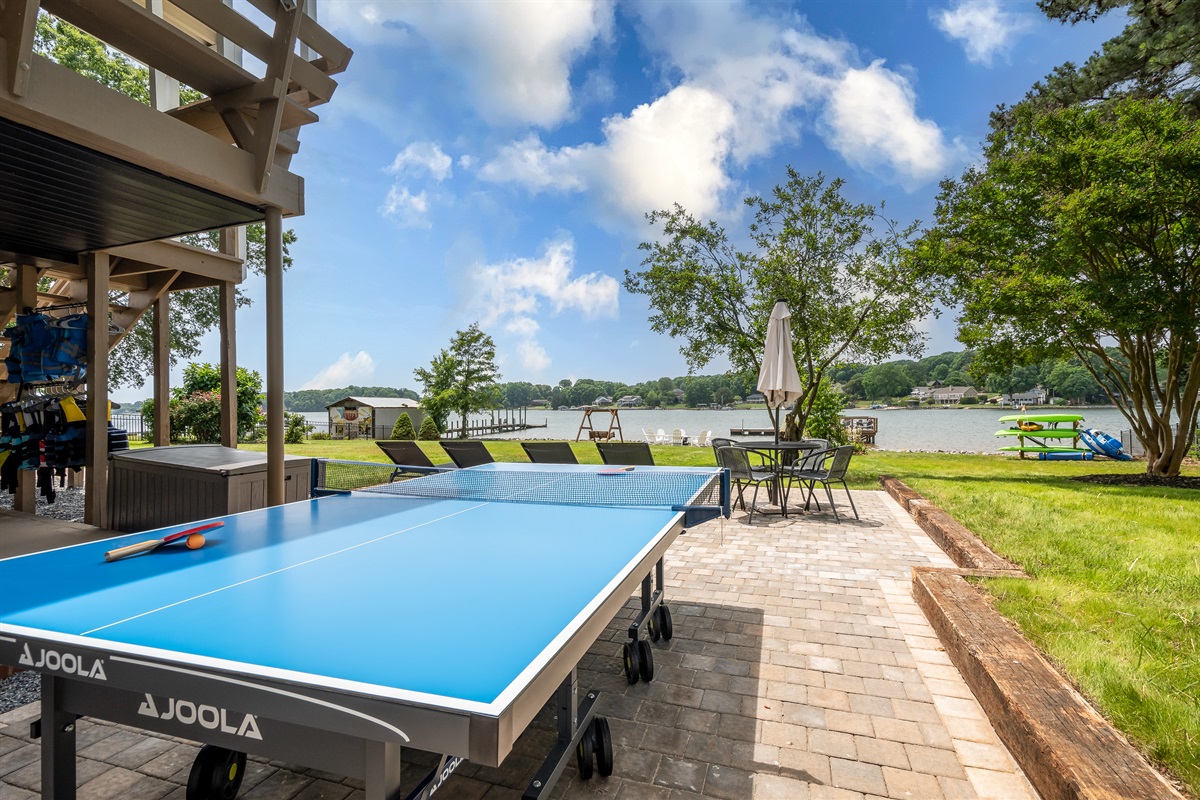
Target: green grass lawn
{"x":1114,"y":595}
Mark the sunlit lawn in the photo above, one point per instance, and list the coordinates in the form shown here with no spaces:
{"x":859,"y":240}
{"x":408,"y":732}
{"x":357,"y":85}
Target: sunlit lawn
{"x":1114,"y":595}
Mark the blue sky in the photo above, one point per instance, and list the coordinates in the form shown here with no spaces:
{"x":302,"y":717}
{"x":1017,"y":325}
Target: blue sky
{"x":493,"y":161}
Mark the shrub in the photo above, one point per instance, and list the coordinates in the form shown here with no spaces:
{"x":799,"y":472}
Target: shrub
{"x":429,"y":430}
{"x":403,"y":429}
{"x":295,"y":428}
{"x":196,"y":417}
{"x":825,"y":419}
{"x":319,"y":436}
{"x":969,"y":401}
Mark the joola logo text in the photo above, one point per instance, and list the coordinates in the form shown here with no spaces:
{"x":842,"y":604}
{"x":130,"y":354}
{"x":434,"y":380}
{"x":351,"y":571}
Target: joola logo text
{"x":68,"y":663}
{"x":186,"y":712}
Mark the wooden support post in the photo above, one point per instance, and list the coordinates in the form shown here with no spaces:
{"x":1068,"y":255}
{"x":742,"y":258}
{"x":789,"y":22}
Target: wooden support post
{"x":26,"y":285}
{"x":162,"y":371}
{"x":96,"y":266}
{"x":228,"y":349}
{"x":274,"y":243}
{"x":233,"y":243}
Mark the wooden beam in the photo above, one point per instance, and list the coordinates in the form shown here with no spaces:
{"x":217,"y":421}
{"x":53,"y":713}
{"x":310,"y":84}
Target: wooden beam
{"x":173,"y":255}
{"x":158,"y":44}
{"x":162,"y":371}
{"x":140,"y":302}
{"x":270,"y":112}
{"x":335,"y":54}
{"x":18,"y":21}
{"x":67,"y":105}
{"x":257,"y":42}
{"x":95,"y":500}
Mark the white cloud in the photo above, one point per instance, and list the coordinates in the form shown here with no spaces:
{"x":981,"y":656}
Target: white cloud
{"x":873,"y":124}
{"x":421,"y":157}
{"x":409,"y":210}
{"x":348,"y":369}
{"x":744,"y":83}
{"x":533,"y":355}
{"x":515,"y":56}
{"x":530,"y":163}
{"x":512,"y":293}
{"x":984,"y":28}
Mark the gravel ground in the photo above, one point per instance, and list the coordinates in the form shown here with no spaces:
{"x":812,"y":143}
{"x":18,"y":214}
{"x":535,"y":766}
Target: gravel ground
{"x":24,"y":687}
{"x":19,"y":689}
{"x":68,"y":504}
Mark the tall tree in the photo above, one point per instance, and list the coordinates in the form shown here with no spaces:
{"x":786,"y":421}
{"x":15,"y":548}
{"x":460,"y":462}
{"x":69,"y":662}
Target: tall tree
{"x":1155,"y":56}
{"x":437,"y":386}
{"x":840,"y":266}
{"x":462,"y":378}
{"x":194,"y":312}
{"x":1083,"y":230}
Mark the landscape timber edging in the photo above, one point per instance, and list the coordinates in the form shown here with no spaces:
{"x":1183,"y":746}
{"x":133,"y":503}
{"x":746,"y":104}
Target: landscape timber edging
{"x":1066,"y":749}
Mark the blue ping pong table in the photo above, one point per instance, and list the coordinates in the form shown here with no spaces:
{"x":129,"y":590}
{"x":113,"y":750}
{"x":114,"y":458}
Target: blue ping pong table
{"x":440,"y":614}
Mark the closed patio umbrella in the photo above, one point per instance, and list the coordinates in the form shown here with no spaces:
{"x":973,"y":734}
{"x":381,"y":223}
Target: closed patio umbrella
{"x":778,"y":380}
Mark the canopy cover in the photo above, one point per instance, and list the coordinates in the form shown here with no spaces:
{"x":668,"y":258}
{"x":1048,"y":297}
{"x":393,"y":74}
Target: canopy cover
{"x":778,"y":380}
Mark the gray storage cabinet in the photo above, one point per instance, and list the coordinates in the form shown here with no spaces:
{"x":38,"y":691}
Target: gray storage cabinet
{"x":157,"y":486}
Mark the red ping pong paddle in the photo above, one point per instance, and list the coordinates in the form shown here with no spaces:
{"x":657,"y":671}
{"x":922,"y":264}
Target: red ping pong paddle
{"x":152,"y":544}
{"x":614,"y":470}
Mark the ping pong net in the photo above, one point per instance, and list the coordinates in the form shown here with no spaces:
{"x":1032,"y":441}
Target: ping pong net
{"x":676,"y":489}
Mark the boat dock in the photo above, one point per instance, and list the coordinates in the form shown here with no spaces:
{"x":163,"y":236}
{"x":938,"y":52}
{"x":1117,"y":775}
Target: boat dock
{"x":862,"y":429}
{"x":751,"y":432}
{"x":486,"y":429}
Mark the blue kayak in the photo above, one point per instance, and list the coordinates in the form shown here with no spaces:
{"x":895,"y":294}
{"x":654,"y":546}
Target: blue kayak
{"x":1102,"y":444}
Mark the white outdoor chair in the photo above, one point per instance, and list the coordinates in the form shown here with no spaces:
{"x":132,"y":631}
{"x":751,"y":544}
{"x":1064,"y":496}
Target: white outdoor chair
{"x":678,"y":435}
{"x":662,"y":436}
{"x":651,"y":436}
{"x":703,"y":439}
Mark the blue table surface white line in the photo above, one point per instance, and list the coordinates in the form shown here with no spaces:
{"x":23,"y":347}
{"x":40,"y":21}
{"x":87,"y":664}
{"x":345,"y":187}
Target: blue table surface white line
{"x":449,"y":598}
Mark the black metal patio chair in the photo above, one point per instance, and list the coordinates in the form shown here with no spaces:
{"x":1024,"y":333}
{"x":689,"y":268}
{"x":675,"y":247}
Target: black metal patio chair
{"x":718,"y":443}
{"x":467,"y":453}
{"x":742,"y":473}
{"x":831,"y":467}
{"x":626,"y":453}
{"x":549,"y":452}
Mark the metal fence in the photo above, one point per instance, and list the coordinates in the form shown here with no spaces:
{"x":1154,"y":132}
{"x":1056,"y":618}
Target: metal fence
{"x":1133,"y":446}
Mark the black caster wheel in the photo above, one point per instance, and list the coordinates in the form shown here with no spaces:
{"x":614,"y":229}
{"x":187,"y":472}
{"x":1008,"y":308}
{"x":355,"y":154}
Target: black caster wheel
{"x":216,"y":774}
{"x":583,"y":755}
{"x":646,"y":656}
{"x":602,"y":744}
{"x":633,"y":664}
{"x":652,"y":626}
{"x":664,"y":622}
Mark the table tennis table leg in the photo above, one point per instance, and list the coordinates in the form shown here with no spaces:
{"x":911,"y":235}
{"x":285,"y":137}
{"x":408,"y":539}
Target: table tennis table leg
{"x":382,"y":771}
{"x":580,"y":732}
{"x":57,"y":730}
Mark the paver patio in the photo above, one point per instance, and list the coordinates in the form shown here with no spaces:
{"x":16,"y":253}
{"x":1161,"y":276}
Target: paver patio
{"x":801,"y":669}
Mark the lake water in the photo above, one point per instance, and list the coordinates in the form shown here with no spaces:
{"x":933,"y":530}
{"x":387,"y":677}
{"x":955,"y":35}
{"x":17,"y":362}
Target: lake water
{"x":968,"y":428}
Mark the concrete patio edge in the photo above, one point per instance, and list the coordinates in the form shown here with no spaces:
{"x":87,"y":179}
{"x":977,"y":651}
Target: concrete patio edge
{"x":1067,"y":750}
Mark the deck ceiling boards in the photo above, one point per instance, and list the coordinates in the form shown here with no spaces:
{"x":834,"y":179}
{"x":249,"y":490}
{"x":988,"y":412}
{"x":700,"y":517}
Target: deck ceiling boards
{"x":58,"y":199}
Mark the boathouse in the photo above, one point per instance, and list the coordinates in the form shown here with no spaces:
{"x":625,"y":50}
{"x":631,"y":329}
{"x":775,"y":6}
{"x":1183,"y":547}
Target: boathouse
{"x":370,"y":417}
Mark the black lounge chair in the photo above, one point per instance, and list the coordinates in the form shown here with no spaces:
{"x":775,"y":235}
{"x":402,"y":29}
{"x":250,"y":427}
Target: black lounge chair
{"x":467,"y":453}
{"x":409,"y":459}
{"x":626,"y":453}
{"x":549,"y":452}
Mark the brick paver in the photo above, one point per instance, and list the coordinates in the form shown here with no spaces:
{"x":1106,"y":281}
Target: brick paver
{"x":801,"y":669}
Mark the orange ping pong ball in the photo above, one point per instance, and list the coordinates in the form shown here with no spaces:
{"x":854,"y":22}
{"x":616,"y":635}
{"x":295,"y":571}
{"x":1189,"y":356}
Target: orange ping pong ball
{"x":195,"y":541}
